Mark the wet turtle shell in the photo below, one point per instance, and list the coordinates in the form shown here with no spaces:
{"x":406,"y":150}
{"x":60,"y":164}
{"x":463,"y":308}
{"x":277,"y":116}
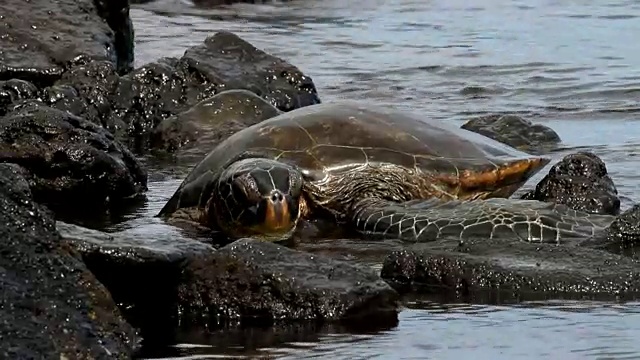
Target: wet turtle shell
{"x":328,"y":141}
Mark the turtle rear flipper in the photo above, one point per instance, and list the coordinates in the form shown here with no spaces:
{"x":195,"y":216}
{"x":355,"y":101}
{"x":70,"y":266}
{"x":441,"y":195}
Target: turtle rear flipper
{"x":496,"y":218}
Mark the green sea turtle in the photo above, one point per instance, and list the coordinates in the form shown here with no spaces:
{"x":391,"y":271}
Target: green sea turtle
{"x":374,"y":170}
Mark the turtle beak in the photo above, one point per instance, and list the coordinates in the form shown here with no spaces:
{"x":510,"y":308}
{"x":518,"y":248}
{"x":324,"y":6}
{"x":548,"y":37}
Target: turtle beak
{"x":276,"y":212}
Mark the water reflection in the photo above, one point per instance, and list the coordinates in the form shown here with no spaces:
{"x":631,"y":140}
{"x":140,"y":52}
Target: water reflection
{"x":426,"y":329}
{"x":287,"y":339}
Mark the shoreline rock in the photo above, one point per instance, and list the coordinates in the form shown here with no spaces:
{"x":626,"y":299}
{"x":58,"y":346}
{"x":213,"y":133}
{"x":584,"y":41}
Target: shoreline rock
{"x":133,"y":105}
{"x":580,"y":181}
{"x":51,"y":305}
{"x":69,"y":161}
{"x":254,"y":280}
{"x":129,"y":108}
{"x":497,"y":272}
{"x":40,"y":47}
{"x":514,"y":131}
{"x":190,"y":135}
{"x":184,"y":281}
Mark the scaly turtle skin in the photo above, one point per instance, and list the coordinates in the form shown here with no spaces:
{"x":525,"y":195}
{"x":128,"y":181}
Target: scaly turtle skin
{"x":375,"y":170}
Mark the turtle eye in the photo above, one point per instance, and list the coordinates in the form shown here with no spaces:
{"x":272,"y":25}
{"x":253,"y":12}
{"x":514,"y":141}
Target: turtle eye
{"x":246,"y":186}
{"x":253,"y":209}
{"x":295,"y":183}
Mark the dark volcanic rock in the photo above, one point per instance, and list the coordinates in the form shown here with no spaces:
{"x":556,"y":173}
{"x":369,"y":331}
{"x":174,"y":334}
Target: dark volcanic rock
{"x":190,"y":135}
{"x":141,"y":272}
{"x":581,"y":182}
{"x":51,"y":306}
{"x":622,"y":236}
{"x":85,"y":90}
{"x":15,"y":90}
{"x":116,"y":14}
{"x":150,"y":94}
{"x":174,"y":279}
{"x":253,"y":280}
{"x":128,"y":106}
{"x":229,"y":62}
{"x":74,"y":52}
{"x":487,"y":270}
{"x":625,"y":229}
{"x":39,"y":38}
{"x":71,"y":162}
{"x":131,"y":106}
{"x":514,"y":131}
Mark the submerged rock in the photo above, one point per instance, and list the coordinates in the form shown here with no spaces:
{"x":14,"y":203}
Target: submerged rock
{"x":514,"y":131}
{"x":190,"y":135}
{"x":71,"y":163}
{"x":581,"y":182}
{"x":175,"y":280}
{"x":51,"y":305}
{"x":39,"y":38}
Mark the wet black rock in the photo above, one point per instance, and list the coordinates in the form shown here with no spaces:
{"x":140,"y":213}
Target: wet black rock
{"x":227,"y":61}
{"x":71,"y":55}
{"x":116,"y":14}
{"x":14,"y":90}
{"x":581,"y":182}
{"x":85,"y":90}
{"x":492,"y":271}
{"x":128,"y":106}
{"x":514,"y":131}
{"x":150,"y":94}
{"x":252,"y":280}
{"x":625,"y":229}
{"x":622,"y":236}
{"x":39,"y":38}
{"x":51,"y":305}
{"x":71,"y":163}
{"x":131,"y":106}
{"x":174,"y":280}
{"x":142,"y":271}
{"x":190,"y":135}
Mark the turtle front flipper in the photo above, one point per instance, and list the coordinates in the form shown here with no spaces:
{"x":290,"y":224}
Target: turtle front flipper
{"x":496,"y":218}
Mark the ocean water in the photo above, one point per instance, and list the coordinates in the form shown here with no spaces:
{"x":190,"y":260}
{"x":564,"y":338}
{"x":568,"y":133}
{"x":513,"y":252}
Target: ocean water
{"x":572,"y":65}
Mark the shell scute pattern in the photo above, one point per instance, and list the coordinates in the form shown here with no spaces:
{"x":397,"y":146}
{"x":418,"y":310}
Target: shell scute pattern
{"x":329,"y":141}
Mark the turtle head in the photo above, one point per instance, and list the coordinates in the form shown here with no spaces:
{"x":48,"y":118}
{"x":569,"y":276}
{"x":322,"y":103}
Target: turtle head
{"x":259,"y":198}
